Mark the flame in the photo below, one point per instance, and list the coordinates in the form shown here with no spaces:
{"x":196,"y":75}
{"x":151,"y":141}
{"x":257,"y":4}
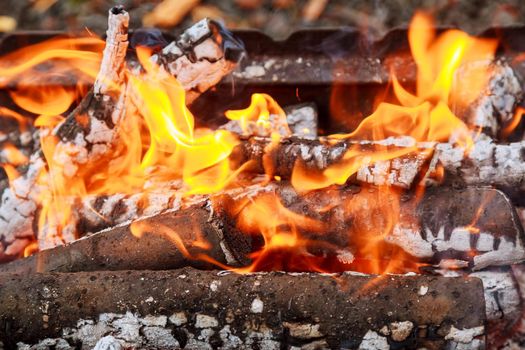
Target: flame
{"x":158,"y":142}
{"x":425,"y":115}
{"x":514,"y":122}
{"x":263,"y":117}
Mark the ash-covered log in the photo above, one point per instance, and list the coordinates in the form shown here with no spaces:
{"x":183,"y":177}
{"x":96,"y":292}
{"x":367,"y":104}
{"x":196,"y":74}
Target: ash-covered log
{"x":408,"y":162}
{"x":90,"y":133}
{"x":196,"y":309}
{"x":203,"y":55}
{"x":494,"y":108}
{"x":468,"y":229}
{"x":91,"y":123}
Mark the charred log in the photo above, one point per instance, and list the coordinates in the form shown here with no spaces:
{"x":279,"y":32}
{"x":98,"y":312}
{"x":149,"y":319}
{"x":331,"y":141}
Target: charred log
{"x":446,"y":229}
{"x":189,"y":308}
{"x":485,"y":163}
{"x":203,"y":55}
{"x":495,"y":106}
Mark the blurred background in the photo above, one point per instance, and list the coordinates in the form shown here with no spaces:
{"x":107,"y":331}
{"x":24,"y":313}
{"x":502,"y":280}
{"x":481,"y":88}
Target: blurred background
{"x":277,"y":18}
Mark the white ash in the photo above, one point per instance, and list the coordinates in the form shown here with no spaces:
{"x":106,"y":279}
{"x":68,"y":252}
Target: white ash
{"x":411,"y":240}
{"x":423,"y":290}
{"x":253,"y":71}
{"x":399,"y":172}
{"x":215,"y":285}
{"x":345,"y":256}
{"x":113,"y":59}
{"x":257,"y":306}
{"x":497,"y":102}
{"x":507,"y":253}
{"x":178,"y":319}
{"x":275,"y":124}
{"x":465,"y":336}
{"x":502,"y":298}
{"x":195,"y":33}
{"x":302,"y":120}
{"x":108,"y":343}
{"x":205,"y":321}
{"x":303,"y":330}
{"x":374,"y":341}
{"x":400,"y":330}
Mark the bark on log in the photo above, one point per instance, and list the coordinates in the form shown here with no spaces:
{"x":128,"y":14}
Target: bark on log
{"x":486,"y":163}
{"x":194,"y":309}
{"x":469,"y":229}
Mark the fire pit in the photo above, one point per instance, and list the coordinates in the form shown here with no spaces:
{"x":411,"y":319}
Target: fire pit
{"x":220,"y":189}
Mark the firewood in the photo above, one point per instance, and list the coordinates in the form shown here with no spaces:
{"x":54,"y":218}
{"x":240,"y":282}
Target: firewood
{"x":195,"y":309}
{"x":200,"y":58}
{"x":495,"y":106}
{"x":437,"y":230}
{"x":203,"y":55}
{"x":484,"y":163}
{"x":99,"y":112}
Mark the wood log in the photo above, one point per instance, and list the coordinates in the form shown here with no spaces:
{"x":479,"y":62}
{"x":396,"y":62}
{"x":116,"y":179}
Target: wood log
{"x":90,"y":132}
{"x":495,"y":106}
{"x":484,"y":163}
{"x":203,"y":55}
{"x":446,"y":229}
{"x":195,"y":309}
{"x":91,"y":123}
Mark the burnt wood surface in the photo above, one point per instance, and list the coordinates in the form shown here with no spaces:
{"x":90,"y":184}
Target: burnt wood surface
{"x":485,"y":163}
{"x":431,"y":230}
{"x":327,"y":311}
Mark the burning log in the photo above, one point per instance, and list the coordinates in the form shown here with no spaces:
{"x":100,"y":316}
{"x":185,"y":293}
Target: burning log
{"x":495,"y":106}
{"x":90,"y":132}
{"x":201,"y":57}
{"x":485,"y":163}
{"x":189,"y":308}
{"x":89,"y":124}
{"x":445,"y":229}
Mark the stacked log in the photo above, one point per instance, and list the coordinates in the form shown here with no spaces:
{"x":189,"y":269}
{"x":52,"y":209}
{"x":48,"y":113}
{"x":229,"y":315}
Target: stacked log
{"x":194,"y":309}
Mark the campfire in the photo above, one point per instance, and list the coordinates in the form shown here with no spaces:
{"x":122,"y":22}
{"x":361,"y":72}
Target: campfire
{"x":219,"y":189}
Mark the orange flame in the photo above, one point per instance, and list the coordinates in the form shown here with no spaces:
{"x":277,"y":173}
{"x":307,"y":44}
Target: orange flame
{"x":158,"y":142}
{"x":425,"y":115}
{"x":263,"y":117}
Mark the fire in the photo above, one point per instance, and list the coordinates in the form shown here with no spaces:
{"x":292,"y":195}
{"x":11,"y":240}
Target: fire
{"x":284,"y":246}
{"x":263,"y":117}
{"x":159,"y":143}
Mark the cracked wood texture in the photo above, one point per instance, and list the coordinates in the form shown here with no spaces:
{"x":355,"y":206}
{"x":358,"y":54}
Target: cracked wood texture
{"x":485,"y":163}
{"x":267,"y":310}
{"x":433,"y":229}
